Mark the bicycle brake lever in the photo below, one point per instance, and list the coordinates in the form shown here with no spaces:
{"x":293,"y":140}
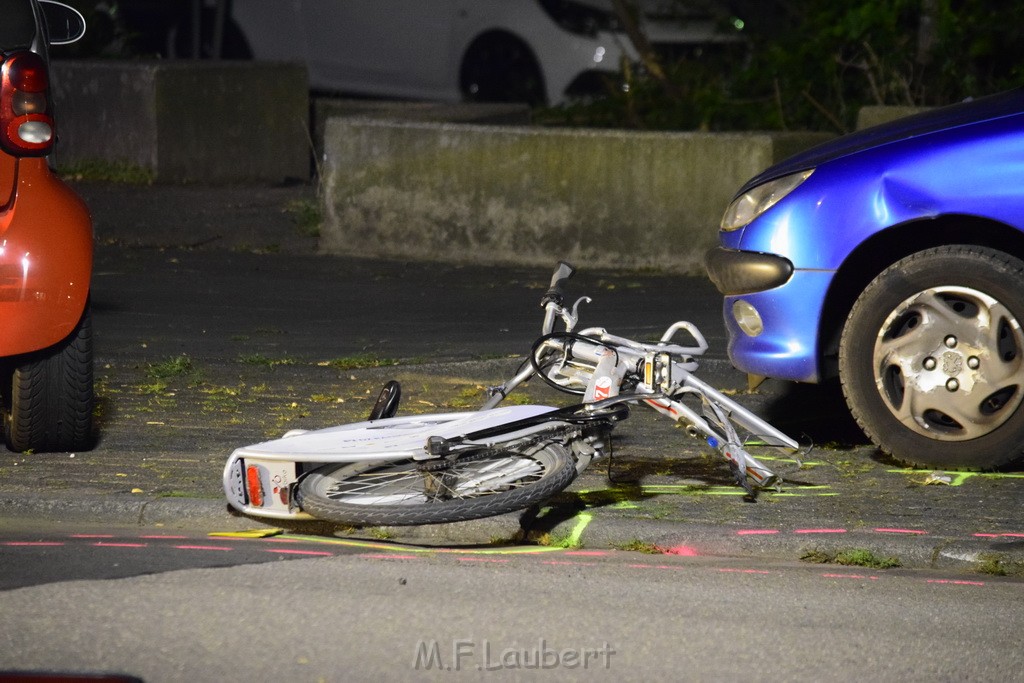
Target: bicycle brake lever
{"x":570,"y":319}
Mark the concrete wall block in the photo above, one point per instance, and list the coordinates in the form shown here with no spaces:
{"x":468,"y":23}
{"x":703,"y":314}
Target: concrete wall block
{"x":186,"y":121}
{"x":105,"y":112}
{"x":484,"y":113}
{"x":530,"y":196}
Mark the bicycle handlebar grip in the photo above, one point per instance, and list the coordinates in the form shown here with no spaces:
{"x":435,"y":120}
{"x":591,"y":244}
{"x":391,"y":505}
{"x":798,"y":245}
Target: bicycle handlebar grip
{"x":562,"y":273}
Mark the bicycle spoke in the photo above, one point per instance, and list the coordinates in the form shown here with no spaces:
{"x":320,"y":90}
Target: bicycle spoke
{"x":409,"y":485}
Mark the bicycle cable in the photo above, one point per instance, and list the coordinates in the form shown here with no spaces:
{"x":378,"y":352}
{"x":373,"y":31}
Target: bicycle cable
{"x":567,"y":348}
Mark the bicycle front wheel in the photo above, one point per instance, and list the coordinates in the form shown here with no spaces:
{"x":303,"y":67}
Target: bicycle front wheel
{"x":408,"y":492}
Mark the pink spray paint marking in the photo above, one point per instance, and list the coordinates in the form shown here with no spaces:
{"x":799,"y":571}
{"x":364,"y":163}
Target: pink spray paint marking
{"x":682,"y":551}
{"x":956,"y":582}
{"x":588,"y":553}
{"x":33,"y":543}
{"x":655,"y":566}
{"x":164,"y":538}
{"x":1006,"y":535}
{"x":849,"y":576}
{"x":756,"y":532}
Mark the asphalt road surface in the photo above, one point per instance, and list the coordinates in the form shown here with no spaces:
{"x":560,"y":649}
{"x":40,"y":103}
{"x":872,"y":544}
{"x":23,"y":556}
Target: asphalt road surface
{"x":173,"y":607}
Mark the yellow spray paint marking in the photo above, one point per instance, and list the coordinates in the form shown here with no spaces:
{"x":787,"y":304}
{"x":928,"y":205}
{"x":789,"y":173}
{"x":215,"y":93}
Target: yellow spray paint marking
{"x":248,"y":533}
{"x":695,"y":489}
{"x":573,"y":541}
{"x":583,"y":519}
{"x":802,"y":463}
{"x":621,"y":499}
{"x":958,"y":478}
{"x":690,"y":489}
{"x":773,"y":494}
{"x":372,"y":545}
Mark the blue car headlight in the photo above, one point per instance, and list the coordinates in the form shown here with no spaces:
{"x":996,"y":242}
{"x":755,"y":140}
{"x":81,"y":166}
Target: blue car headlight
{"x":756,"y":201}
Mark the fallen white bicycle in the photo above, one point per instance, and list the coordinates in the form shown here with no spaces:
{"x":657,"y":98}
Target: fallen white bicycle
{"x":437,"y":468}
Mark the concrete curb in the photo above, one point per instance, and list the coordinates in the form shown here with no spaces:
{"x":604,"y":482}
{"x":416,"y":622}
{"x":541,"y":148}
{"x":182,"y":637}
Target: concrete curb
{"x":127,"y":509}
{"x":911,"y":551}
{"x":591,"y":531}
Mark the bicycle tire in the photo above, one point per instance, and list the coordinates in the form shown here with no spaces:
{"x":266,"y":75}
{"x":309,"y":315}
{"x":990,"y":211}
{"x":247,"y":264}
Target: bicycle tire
{"x":530,"y":475}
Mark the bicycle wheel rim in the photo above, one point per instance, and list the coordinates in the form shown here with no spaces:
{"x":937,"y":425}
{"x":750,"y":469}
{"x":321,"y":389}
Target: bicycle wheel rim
{"x":398,"y":493}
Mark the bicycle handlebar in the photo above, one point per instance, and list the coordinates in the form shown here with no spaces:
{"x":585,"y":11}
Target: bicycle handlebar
{"x":552,"y":302}
{"x":698,"y":350}
{"x":562,"y":273}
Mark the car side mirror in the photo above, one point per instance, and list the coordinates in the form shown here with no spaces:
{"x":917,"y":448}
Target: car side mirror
{"x":64,"y":24}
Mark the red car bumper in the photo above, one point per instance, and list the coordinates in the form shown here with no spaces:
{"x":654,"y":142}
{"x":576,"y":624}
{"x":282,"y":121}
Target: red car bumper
{"x":46,"y":251}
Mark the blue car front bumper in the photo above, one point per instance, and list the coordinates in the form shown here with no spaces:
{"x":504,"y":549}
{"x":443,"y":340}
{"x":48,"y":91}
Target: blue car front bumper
{"x":790,"y":313}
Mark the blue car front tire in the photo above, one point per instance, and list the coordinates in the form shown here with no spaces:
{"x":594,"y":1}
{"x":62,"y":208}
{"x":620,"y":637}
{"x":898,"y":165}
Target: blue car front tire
{"x":932,"y":358}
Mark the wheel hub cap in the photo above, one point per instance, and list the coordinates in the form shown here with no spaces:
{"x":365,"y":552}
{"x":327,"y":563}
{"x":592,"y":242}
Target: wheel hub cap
{"x":949,"y":362}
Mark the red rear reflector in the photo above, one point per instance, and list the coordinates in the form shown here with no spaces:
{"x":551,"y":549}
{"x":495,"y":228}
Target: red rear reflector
{"x":254,"y":485}
{"x":26,"y":126}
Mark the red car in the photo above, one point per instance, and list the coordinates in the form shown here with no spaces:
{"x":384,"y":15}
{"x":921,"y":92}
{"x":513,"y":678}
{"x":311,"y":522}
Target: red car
{"x":46,"y":380}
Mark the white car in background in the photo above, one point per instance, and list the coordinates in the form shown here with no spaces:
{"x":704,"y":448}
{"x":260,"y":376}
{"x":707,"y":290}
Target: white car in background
{"x":535,"y":51}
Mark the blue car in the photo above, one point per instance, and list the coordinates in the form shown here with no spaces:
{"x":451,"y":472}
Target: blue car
{"x":894,"y":258}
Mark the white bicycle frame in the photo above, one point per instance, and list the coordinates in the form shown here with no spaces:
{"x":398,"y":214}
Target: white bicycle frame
{"x":260,"y":479}
{"x":668,"y":375}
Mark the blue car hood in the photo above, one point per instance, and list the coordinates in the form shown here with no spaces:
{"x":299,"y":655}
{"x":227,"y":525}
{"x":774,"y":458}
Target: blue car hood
{"x":972,"y":111}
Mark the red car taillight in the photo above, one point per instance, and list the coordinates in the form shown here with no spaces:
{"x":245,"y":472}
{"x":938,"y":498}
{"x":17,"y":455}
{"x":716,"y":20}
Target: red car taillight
{"x":26,"y":126}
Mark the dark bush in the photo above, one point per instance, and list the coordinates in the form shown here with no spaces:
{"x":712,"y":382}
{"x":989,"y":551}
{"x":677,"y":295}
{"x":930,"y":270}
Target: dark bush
{"x":812,"y":64}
